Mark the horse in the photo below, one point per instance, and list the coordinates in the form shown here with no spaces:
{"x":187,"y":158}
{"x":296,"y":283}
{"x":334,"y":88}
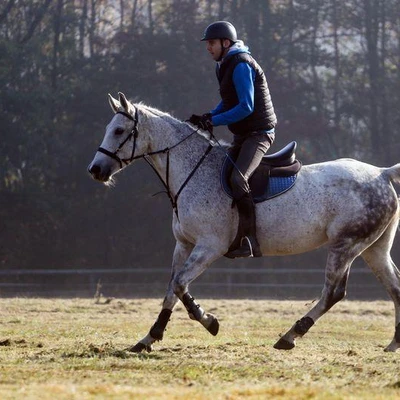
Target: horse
{"x":349,"y":206}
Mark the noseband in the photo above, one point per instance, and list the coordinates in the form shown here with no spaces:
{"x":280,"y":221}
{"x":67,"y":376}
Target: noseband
{"x":132,"y":134}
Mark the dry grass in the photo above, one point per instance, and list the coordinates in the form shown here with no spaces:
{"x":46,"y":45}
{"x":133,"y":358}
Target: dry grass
{"x":74,"y":349}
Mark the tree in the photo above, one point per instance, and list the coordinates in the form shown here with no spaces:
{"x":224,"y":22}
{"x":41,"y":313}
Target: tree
{"x":332,"y":68}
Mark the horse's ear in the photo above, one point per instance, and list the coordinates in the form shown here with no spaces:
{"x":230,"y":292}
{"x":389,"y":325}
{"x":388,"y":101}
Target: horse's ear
{"x":114,"y":103}
{"x":124,"y":102}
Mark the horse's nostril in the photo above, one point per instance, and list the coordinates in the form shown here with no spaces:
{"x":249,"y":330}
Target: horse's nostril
{"x":94,"y":169}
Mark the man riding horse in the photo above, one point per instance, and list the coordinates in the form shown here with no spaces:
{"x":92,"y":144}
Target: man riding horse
{"x":246,"y":107}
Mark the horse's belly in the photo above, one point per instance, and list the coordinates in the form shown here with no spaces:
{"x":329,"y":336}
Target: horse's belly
{"x":286,"y":239}
{"x":291,"y":245}
{"x":291,"y":225}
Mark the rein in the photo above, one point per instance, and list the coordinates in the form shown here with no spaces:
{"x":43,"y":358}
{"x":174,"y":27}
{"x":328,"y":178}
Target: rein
{"x":146,"y":156}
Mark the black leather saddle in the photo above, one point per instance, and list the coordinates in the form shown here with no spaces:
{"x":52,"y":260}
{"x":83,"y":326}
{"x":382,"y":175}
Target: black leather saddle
{"x":276,"y":174}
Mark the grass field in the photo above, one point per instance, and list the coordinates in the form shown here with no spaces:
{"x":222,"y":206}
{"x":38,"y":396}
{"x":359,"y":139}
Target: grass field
{"x":74,"y":349}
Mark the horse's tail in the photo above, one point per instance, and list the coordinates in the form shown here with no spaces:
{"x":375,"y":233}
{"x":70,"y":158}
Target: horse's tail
{"x":393,"y":173}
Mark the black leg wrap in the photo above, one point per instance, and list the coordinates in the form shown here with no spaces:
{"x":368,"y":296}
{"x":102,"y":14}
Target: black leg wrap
{"x":192,"y":307}
{"x":157,"y":330}
{"x":303,"y":325}
{"x":397,"y":333}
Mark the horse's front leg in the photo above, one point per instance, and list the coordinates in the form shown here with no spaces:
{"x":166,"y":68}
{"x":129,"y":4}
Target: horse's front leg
{"x":200,"y":259}
{"x":181,"y":254}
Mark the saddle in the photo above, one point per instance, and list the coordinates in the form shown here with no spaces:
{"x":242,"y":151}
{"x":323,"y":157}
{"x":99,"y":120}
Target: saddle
{"x":276,"y":174}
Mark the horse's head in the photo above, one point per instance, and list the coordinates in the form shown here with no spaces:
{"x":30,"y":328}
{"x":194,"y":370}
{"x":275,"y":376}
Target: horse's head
{"x":120,"y":144}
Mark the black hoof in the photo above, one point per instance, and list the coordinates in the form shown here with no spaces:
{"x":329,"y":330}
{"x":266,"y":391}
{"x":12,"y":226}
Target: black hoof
{"x":139,"y":347}
{"x":213,"y":328}
{"x":283,"y":344}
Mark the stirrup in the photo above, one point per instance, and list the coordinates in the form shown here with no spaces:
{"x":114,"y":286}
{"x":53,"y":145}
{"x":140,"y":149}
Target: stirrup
{"x":241,"y":252}
{"x":249,"y":245}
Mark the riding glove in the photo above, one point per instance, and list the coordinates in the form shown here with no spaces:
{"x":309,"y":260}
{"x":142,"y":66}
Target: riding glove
{"x":202,"y":121}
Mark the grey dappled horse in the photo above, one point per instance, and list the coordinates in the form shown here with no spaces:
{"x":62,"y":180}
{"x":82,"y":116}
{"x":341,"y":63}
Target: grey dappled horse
{"x":349,"y":206}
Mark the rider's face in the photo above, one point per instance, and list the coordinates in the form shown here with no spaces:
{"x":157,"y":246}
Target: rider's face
{"x":216,"y":49}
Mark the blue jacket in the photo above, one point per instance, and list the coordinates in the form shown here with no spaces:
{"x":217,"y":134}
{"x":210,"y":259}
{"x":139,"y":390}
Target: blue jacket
{"x":243,"y":79}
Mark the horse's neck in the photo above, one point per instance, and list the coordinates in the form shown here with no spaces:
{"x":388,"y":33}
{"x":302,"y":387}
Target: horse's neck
{"x":184,"y":152}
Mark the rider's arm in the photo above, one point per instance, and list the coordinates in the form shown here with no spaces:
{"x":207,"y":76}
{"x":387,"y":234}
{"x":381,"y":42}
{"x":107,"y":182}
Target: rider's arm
{"x":219,"y":109}
{"x":243,"y":79}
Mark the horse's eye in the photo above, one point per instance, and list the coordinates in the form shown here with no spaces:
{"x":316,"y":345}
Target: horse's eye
{"x":119,"y":131}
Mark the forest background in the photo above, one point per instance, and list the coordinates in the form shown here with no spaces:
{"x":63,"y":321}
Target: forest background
{"x":332,"y":67}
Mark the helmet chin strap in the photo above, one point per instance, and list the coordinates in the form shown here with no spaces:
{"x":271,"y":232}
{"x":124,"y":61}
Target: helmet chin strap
{"x":222,"y":49}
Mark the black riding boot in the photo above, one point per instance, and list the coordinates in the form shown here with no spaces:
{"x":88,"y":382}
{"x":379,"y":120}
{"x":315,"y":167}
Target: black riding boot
{"x":245,"y":244}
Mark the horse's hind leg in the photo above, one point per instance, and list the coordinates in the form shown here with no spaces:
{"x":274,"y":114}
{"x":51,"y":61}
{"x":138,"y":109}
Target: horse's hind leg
{"x":336,"y":275}
{"x":378,"y":259}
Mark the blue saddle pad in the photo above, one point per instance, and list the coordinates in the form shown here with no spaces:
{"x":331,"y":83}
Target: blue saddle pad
{"x":265,"y":183}
{"x":278,"y":185}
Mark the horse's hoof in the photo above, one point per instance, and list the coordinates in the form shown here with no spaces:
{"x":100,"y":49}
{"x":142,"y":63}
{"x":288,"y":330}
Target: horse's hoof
{"x":394,"y":345}
{"x":139,"y":347}
{"x":283,"y":344}
{"x":213,"y":328}
{"x":391,"y":348}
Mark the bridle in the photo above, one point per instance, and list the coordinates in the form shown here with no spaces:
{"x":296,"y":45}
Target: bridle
{"x":134,"y":133}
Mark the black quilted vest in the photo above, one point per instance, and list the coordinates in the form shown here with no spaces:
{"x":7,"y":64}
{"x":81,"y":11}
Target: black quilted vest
{"x":263,"y":116}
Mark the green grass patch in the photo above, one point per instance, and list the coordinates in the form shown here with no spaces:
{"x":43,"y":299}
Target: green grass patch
{"x":76,"y":349}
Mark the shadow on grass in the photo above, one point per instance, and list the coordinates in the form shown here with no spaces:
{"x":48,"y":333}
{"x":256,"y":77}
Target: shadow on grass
{"x":106,"y":350}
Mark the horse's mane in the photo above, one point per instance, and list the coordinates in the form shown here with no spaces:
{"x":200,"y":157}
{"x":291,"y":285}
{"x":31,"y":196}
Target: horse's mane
{"x":177,"y":123}
{"x":153,"y":110}
{"x":156,"y":112}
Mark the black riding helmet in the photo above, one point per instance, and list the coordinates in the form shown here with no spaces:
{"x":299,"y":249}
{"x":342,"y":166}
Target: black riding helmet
{"x":220,"y":30}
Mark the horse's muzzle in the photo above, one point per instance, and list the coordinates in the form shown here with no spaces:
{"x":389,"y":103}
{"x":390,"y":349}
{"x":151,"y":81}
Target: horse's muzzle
{"x":99,"y":173}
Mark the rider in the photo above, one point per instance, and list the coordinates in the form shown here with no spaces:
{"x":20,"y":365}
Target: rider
{"x":246,"y":107}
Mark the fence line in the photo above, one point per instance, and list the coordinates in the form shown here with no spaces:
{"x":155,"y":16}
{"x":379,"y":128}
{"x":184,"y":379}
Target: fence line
{"x":240,"y":270}
{"x":220,"y":282}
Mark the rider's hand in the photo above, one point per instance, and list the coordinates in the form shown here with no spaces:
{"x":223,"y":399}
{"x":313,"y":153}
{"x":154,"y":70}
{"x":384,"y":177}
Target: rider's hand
{"x":206,"y":122}
{"x":194,"y":119}
{"x":202,"y":121}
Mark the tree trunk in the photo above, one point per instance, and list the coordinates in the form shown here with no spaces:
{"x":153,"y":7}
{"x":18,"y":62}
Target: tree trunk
{"x":291,"y":44}
{"x":82,"y":28}
{"x":221,"y":10}
{"x":92,"y":27}
{"x":371,"y":9}
{"x":56,"y":53}
{"x":7,"y":9}
{"x":386,"y":127}
{"x":36,"y":20}
{"x":265,"y":34}
{"x":336,"y":85}
{"x":133,"y":17}
{"x":151,"y":22}
{"x":121,"y":21}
